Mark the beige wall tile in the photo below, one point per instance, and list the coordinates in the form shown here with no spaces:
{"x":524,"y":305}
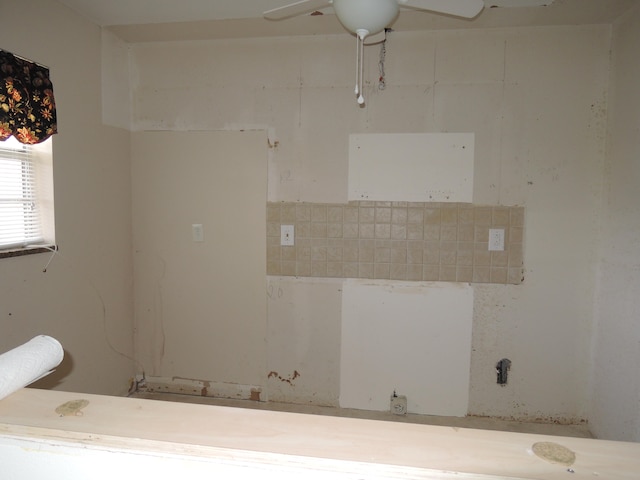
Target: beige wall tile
{"x":383,"y":215}
{"x":335,"y":269}
{"x":498,"y":275}
{"x":415,"y":215}
{"x":303,"y":269}
{"x":366,"y":214}
{"x":273,"y":229}
{"x":398,"y":272}
{"x":396,"y":240}
{"x":302,"y":230}
{"x":350,"y":270}
{"x":288,"y":253}
{"x":303,"y":213}
{"x":432,"y":232}
{"x":288,"y":268}
{"x":449,"y":233}
{"x":399,"y":215}
{"x":415,"y":231}
{"x":382,"y":271}
{"x":273,"y":213}
{"x":318,"y":213}
{"x":482,"y":274}
{"x":432,"y":216}
{"x":318,"y":254}
{"x":334,"y":254}
{"x":335,"y":214}
{"x":431,"y":253}
{"x":447,"y":273}
{"x":334,"y":230}
{"x":318,"y":269}
{"x":414,"y":253}
{"x":318,"y":230}
{"x":466,"y":215}
{"x":414,"y":272}
{"x":383,"y":230}
{"x":367,"y":230}
{"x":449,"y":215}
{"x":382,"y":255}
{"x":499,"y":259}
{"x":365,"y":270}
{"x":500,"y":216}
{"x":351,"y":214}
{"x":288,"y":214}
{"x":464,"y":274}
{"x":399,"y":232}
{"x":466,"y":233}
{"x":273,"y":253}
{"x":350,"y":230}
{"x":431,"y":273}
{"x":273,"y":267}
{"x":483,"y":216}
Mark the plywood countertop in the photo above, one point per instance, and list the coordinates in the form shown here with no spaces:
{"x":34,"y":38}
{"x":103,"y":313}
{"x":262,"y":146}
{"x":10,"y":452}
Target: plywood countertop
{"x":401,"y":450}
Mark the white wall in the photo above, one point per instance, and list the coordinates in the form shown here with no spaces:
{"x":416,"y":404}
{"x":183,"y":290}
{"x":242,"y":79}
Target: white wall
{"x":200,"y":305}
{"x":535,"y":99}
{"x":615,"y":407}
{"x":407,"y":339}
{"x":85,"y":298}
{"x":303,"y":340}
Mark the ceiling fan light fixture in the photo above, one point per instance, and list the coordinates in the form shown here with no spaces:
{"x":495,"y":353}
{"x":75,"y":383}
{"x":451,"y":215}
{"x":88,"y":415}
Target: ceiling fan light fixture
{"x":370,"y":15}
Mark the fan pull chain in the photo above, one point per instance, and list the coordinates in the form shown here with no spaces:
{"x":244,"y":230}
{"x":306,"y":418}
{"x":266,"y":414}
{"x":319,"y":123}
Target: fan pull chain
{"x":361,"y":98}
{"x":357,"y":89}
{"x":383,"y":54}
{"x":360,"y":36}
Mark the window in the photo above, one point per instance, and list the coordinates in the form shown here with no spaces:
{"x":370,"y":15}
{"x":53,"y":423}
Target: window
{"x":26,"y":195}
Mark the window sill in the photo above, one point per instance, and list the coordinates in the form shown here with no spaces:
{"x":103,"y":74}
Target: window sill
{"x":31,"y":250}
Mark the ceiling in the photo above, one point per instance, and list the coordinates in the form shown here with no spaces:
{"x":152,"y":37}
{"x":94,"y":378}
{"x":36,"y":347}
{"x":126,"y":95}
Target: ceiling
{"x":165,"y":20}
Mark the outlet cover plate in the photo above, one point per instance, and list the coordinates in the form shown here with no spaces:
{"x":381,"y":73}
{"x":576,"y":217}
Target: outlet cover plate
{"x":287,"y":235}
{"x":398,"y":404}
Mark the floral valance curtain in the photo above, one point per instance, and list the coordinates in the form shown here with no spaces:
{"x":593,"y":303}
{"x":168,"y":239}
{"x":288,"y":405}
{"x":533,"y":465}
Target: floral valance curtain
{"x":27,"y":106}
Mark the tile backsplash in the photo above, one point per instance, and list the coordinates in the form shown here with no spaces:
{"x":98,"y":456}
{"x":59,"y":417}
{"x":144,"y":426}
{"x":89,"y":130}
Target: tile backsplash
{"x":447,"y":242}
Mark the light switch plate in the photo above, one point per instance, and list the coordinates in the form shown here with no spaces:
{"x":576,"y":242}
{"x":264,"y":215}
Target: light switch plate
{"x":287,"y":235}
{"x":197,"y":231}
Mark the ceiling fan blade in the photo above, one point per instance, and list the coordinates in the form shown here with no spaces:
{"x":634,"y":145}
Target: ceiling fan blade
{"x":458,"y":8}
{"x":295,"y":9}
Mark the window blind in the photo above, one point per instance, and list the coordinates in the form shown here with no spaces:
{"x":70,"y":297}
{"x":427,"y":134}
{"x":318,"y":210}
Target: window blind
{"x":19,"y":214}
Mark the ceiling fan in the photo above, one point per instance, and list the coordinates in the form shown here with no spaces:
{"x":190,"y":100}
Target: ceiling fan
{"x":374,"y":15}
{"x":369,"y":17}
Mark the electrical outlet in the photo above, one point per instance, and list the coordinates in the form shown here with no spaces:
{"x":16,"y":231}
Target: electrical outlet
{"x":287,"y":235}
{"x":398,"y":404}
{"x":496,"y":239}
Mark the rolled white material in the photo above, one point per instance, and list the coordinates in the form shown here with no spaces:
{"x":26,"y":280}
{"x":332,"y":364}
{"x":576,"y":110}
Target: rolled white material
{"x":29,"y":362}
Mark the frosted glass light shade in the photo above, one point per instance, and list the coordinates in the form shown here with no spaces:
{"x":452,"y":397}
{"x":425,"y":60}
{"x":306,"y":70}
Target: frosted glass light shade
{"x":370,"y":15}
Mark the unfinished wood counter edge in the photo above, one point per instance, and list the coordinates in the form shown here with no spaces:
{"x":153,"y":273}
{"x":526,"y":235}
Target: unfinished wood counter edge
{"x":286,"y":444}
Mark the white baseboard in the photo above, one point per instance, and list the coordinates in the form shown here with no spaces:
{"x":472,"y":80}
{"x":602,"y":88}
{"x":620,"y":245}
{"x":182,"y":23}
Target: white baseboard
{"x":203,"y":388}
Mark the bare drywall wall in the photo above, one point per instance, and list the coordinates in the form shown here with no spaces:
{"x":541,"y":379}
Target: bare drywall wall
{"x":615,"y":409}
{"x":407,"y":339}
{"x":200,"y":291}
{"x":535,"y":99}
{"x":303,"y":339}
{"x":428,"y":167}
{"x":85,"y":298}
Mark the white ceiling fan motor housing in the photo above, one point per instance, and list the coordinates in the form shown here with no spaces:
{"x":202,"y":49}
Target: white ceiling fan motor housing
{"x":370,"y":15}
